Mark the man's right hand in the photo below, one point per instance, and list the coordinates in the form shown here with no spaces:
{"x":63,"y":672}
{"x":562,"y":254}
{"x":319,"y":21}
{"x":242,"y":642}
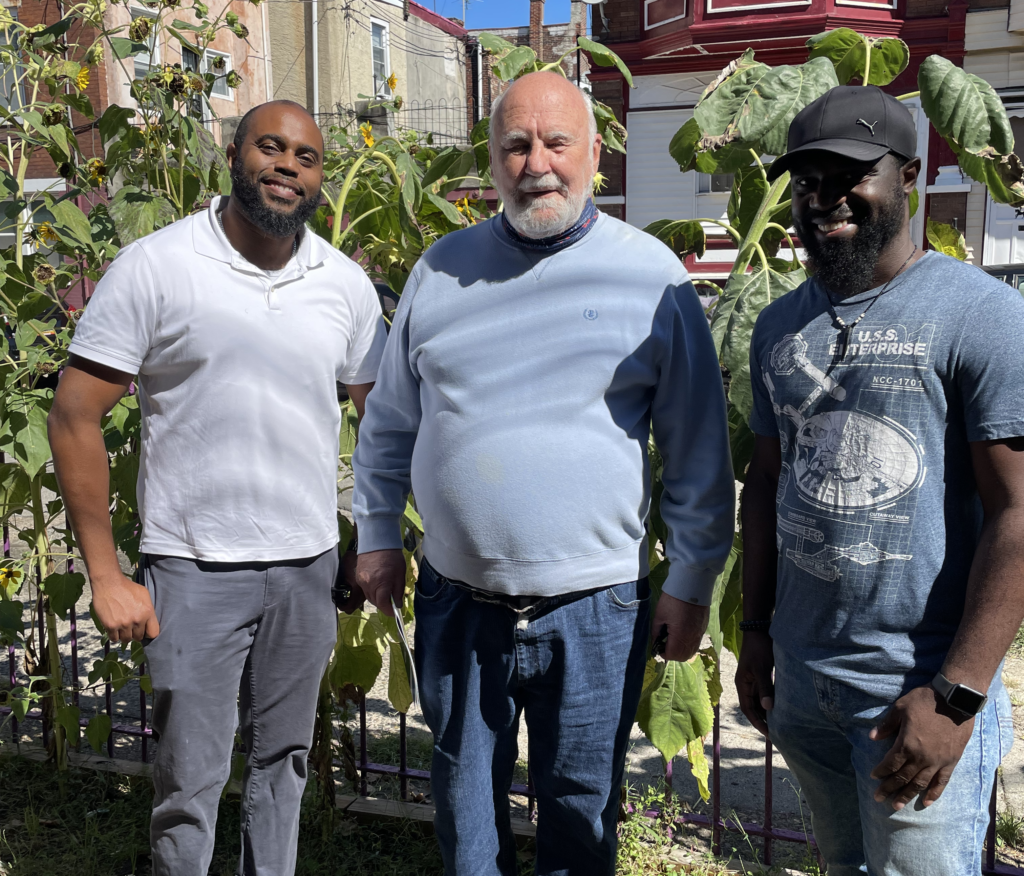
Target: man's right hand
{"x":754,"y":679}
{"x":125,"y":610}
{"x":381,"y":576}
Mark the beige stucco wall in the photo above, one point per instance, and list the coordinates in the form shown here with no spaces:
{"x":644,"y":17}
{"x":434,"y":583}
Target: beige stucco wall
{"x":248,"y":57}
{"x":428,"y":62}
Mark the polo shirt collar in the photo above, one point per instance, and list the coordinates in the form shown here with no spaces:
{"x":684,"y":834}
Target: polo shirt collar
{"x":210,"y":240}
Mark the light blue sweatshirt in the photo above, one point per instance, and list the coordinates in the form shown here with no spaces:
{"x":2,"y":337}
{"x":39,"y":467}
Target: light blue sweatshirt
{"x":516,"y":397}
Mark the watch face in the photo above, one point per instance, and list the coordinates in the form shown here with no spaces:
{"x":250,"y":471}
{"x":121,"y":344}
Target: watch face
{"x":965,"y":700}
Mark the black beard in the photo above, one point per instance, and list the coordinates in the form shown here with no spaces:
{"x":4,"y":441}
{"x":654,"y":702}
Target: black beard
{"x":273,"y":223}
{"x":846,"y":266}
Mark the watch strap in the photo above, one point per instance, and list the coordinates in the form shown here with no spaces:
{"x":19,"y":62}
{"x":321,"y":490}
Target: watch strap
{"x":761,"y":625}
{"x":948,"y":691}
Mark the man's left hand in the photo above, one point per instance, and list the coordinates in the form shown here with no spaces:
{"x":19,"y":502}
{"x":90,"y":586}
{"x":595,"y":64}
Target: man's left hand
{"x":356,"y":599}
{"x":930,"y":740}
{"x":686,"y":625}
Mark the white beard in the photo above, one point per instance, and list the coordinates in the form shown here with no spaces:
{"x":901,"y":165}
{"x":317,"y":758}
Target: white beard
{"x":538,"y":219}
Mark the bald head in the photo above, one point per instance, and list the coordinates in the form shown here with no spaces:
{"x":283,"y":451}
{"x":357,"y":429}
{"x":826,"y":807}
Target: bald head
{"x":275,"y":107}
{"x":548,"y":88}
{"x":544,"y":153}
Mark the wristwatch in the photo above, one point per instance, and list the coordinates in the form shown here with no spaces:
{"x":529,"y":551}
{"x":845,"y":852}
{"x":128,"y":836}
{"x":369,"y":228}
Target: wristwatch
{"x":964,"y":699}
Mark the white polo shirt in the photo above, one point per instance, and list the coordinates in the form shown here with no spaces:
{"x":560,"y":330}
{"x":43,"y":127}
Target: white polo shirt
{"x":237,"y":372}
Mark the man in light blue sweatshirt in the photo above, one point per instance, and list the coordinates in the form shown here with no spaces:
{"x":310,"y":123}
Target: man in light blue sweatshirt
{"x":529,"y":358}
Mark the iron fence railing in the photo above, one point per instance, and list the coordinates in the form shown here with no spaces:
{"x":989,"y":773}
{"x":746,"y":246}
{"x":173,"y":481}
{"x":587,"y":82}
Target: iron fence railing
{"x":139,"y":729}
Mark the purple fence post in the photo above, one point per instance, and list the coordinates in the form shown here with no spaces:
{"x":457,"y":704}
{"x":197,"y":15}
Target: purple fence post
{"x":768,"y":802}
{"x":990,"y":834}
{"x":142,"y":712}
{"x":716,"y":787}
{"x":362,"y":744}
{"x":12,"y":661}
{"x":73,"y":616}
{"x":110,"y":707}
{"x":402,"y":756}
{"x":42,"y":646}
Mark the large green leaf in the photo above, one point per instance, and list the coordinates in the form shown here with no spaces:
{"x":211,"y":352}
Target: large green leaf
{"x":137,"y":213}
{"x":494,"y":44}
{"x":750,"y":294}
{"x":12,"y":622}
{"x":69,"y":220}
{"x":699,"y":767}
{"x":730,"y":158}
{"x":964,"y":108}
{"x":123,"y":47}
{"x":28,"y":427}
{"x":399,"y":688}
{"x":946,"y":239}
{"x":746,"y":101}
{"x":115,"y":121}
{"x":97,"y":731}
{"x":741,"y":442}
{"x":67,"y":717}
{"x":848,"y":52}
{"x":478,"y":137}
{"x":721,"y":585}
{"x":683,"y":236}
{"x":605,"y":57}
{"x":63,"y":589}
{"x":683,"y":146}
{"x":612,"y":131}
{"x":522,"y":59}
{"x":357,"y":656}
{"x":816,"y":77}
{"x":748,"y":193}
{"x":453,"y":164}
{"x":15,"y":490}
{"x":677,"y":707}
{"x":1003,"y":174}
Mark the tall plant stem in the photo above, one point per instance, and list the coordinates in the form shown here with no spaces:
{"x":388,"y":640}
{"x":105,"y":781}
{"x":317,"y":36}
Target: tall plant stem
{"x":339,"y":205}
{"x":910,"y":95}
{"x":53,"y":660}
{"x":752,"y":243}
{"x":867,"y":61}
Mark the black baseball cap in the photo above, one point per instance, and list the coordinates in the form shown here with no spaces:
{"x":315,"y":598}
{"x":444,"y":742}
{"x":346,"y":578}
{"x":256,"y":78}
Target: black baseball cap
{"x":859,"y":122}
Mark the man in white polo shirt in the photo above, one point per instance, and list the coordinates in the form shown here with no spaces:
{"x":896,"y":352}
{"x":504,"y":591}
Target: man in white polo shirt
{"x":238,"y":323}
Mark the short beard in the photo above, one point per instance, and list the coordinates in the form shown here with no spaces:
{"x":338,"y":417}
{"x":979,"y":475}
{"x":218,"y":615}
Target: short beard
{"x":846,"y":266}
{"x":273,"y":223}
{"x":526,"y":214}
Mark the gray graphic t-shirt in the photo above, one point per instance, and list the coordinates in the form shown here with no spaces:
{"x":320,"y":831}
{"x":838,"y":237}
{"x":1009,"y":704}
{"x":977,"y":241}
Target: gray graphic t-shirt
{"x":878,"y":512}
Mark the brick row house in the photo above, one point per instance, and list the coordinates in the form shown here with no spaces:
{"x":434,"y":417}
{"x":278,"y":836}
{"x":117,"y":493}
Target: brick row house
{"x":675,"y":48}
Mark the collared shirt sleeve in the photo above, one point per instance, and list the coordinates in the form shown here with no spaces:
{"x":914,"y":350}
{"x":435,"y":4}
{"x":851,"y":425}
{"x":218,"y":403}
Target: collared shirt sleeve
{"x":691,"y":432}
{"x":989,"y":367}
{"x":119,"y":323}
{"x":382,"y":462}
{"x":368,"y":337}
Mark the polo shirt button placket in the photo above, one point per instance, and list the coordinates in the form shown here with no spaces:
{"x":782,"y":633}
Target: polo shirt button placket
{"x":270,"y":293}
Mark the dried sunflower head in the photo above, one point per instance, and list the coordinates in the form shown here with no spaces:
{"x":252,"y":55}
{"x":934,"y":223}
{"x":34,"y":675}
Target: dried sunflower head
{"x":97,"y":170}
{"x":233,"y":79}
{"x":240,"y":31}
{"x":140,"y":29}
{"x":44,"y":273}
{"x":54,"y":114}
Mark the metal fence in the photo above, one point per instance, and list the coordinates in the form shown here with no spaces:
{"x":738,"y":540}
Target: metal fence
{"x":445,"y":121}
{"x":139,"y":729}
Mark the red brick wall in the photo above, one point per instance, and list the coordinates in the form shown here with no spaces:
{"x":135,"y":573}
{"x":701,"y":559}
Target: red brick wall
{"x":537,"y":26}
{"x":33,"y":12}
{"x":624,"y":19}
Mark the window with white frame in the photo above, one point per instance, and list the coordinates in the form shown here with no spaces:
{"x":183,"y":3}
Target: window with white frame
{"x":381,"y":55}
{"x":11,"y":95}
{"x":146,"y":62}
{"x":190,"y":61}
{"x":218,"y":63}
{"x":714,"y":183}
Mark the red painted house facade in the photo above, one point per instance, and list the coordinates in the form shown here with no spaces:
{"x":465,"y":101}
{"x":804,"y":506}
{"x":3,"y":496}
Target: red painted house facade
{"x":675,"y":48}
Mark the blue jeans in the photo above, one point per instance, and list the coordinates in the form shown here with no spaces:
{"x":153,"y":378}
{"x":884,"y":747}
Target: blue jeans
{"x":821,"y":728}
{"x":574,"y":665}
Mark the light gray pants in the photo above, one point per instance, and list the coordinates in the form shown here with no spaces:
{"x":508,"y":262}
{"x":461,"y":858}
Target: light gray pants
{"x":240,"y":645}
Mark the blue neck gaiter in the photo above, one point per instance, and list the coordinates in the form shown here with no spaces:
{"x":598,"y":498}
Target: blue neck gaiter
{"x":557,"y":242}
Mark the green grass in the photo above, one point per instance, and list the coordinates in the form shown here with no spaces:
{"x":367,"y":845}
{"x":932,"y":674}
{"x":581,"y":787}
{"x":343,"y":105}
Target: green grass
{"x":86,"y":823}
{"x":1010,"y":829}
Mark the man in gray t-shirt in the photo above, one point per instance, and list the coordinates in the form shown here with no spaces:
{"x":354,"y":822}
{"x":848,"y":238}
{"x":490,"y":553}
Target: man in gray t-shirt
{"x":882,"y":509}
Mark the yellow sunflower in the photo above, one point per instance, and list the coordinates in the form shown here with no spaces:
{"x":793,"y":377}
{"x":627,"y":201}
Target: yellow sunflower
{"x":46,"y":234}
{"x":82,"y":79}
{"x":392,"y":81}
{"x":366,"y":129}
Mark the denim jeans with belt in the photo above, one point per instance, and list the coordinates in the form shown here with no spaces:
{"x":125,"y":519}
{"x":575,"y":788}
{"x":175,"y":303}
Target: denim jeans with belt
{"x":821,"y":726}
{"x":574,"y":666}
